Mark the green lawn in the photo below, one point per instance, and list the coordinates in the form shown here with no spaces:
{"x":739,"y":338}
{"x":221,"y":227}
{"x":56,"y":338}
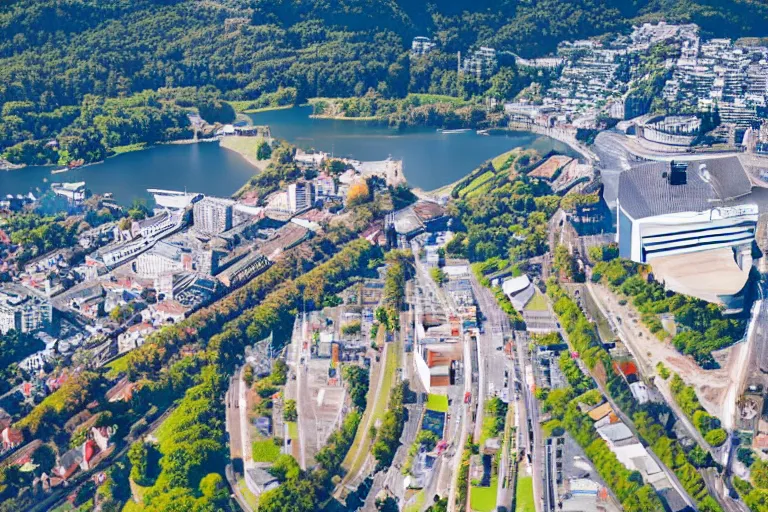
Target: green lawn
{"x":293,"y":429}
{"x":265,"y":451}
{"x":499,"y":161}
{"x":117,"y":367}
{"x":483,"y":499}
{"x":537,"y":303}
{"x":436,"y":98}
{"x":417,"y":504}
{"x":437,"y":403}
{"x":119,"y":150}
{"x":360,"y":449}
{"x":524,"y":495}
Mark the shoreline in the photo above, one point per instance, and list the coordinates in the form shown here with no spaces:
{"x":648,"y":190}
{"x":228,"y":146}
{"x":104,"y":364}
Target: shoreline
{"x":345,"y":118}
{"x":264,"y":109}
{"x":235,"y":146}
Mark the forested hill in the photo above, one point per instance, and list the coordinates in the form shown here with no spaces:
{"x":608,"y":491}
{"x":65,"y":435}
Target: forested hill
{"x":54,"y":52}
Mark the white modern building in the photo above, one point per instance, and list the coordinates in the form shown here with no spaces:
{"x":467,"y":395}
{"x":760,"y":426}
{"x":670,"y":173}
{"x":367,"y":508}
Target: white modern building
{"x":520,"y":291}
{"x":75,"y":193}
{"x":421,"y":45}
{"x":162,"y":258}
{"x":693,"y":222}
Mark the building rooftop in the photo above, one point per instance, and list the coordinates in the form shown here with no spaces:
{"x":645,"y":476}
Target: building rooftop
{"x":646,"y":191}
{"x":615,"y":432}
{"x":708,"y":275}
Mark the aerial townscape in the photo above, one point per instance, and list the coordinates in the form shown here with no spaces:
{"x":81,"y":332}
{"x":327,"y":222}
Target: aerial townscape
{"x":491,"y":256}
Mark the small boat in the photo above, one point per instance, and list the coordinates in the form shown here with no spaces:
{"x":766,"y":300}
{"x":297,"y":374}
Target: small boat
{"x":59,"y":171}
{"x":460,"y":130}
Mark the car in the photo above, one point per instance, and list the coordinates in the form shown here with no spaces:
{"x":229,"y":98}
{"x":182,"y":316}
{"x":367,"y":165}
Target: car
{"x":500,"y":348}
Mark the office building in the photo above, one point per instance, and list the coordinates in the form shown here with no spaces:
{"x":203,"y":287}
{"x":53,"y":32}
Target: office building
{"x":213,"y":215}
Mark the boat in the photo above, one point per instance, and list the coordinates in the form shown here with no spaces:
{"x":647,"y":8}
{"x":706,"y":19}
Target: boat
{"x":460,"y":130}
{"x":59,"y":171}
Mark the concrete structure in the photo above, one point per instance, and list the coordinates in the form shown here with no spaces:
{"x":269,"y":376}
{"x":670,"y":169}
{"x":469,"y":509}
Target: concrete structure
{"x":421,"y":45}
{"x":162,"y":258}
{"x":213,"y":215}
{"x":520,"y":290}
{"x":481,"y":62}
{"x":433,"y":361}
{"x":23,"y":313}
{"x":671,"y":214}
{"x":75,"y":193}
{"x":301,"y":196}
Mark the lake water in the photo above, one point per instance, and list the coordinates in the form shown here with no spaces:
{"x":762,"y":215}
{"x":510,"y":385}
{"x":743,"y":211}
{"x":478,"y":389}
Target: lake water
{"x":430,"y":159}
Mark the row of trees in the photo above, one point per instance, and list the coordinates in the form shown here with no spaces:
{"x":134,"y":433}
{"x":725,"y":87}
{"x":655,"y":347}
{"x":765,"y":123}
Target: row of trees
{"x":702,"y":327}
{"x":648,"y":418}
{"x":708,"y":425}
{"x":388,"y":434}
{"x":182,"y":471}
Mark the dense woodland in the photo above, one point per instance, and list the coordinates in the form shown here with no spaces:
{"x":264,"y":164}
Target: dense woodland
{"x":60,"y":59}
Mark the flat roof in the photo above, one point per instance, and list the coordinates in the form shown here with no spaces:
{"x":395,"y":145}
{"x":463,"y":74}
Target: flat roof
{"x":644,"y":191}
{"x":704,"y":274}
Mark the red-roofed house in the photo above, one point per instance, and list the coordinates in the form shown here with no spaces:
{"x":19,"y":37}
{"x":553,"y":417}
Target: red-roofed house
{"x":11,"y":438}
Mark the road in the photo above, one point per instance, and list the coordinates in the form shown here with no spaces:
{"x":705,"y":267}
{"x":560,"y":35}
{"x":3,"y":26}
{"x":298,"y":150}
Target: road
{"x":528,"y":421}
{"x":630,"y":424}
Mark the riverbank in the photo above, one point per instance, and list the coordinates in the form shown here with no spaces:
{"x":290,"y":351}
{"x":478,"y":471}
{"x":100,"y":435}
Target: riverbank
{"x":346,"y":118}
{"x":565,"y":136}
{"x":496,"y":162}
{"x":246,"y":148}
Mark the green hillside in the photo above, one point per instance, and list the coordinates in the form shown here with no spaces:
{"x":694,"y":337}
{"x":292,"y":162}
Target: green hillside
{"x":53,"y":53}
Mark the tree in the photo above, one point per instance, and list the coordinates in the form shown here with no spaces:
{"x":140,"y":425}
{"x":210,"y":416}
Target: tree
{"x":248,"y":375}
{"x":351,"y":328}
{"x":438,"y":275}
{"x":45,"y":458}
{"x":289,"y":411}
{"x":138,"y":456}
{"x":213,"y":488}
{"x":285,"y":468}
{"x":716,"y":437}
{"x":263,"y":150}
{"x":358,"y":193}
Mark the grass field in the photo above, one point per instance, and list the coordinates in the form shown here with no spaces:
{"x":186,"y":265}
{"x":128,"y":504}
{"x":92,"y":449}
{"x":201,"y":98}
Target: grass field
{"x":265,"y":451}
{"x":119,"y":150}
{"x":246,"y":146}
{"x":375,"y":409}
{"x":417,"y":504}
{"x":499,"y":161}
{"x":477,"y":185}
{"x":524,"y":495}
{"x":483,"y":499}
{"x":436,"y":98}
{"x":537,"y":303}
{"x":293,"y":429}
{"x":438,"y":403}
{"x":117,"y":367}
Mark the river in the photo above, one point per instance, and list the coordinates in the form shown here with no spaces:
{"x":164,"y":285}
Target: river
{"x":430,"y":159}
